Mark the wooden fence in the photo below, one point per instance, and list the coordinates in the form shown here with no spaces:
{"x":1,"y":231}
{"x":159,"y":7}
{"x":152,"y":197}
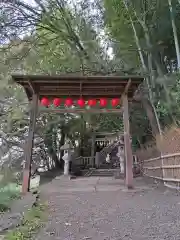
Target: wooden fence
{"x":166,"y":168}
{"x":160,"y":159}
{"x":84,"y":161}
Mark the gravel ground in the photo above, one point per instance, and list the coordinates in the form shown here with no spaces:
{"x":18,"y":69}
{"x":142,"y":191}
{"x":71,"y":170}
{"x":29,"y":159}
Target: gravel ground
{"x":101,"y":209}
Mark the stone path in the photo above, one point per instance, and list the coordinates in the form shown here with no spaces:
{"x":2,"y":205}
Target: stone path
{"x":101,"y":209}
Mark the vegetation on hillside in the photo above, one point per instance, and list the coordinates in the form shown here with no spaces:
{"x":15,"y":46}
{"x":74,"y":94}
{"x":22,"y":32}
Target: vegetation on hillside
{"x":90,"y":37}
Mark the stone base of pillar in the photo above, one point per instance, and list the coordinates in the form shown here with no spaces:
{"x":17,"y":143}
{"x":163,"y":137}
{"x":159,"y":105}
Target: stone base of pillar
{"x":118,"y":175}
{"x":130,"y":187}
{"x":72,"y":177}
{"x":64,"y":178}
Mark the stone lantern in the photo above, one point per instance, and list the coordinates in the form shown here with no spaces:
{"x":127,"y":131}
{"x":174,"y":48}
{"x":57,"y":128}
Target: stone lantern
{"x":68,"y":148}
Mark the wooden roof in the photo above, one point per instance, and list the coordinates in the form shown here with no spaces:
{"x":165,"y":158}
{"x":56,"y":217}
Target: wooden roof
{"x":78,"y":86}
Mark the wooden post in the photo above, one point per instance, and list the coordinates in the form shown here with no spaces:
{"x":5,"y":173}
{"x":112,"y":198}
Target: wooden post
{"x":29,"y":145}
{"x":127,"y":145}
{"x":93,"y":140}
{"x":97,"y":159}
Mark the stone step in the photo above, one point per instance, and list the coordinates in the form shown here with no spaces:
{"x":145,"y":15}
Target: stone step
{"x":102,"y":172}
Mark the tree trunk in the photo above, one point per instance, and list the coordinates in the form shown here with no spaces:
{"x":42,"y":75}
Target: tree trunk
{"x":150,"y":113}
{"x":55,"y":159}
{"x":93,"y":141}
{"x":153,"y":113}
{"x":175,"y":34}
{"x":136,"y":38}
{"x":158,"y":67}
{"x":61,"y":143}
{"x":82,"y":140}
{"x":51,"y":152}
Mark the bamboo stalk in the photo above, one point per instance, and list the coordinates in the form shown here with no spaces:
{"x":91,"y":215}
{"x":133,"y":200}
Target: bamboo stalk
{"x":174,"y":33}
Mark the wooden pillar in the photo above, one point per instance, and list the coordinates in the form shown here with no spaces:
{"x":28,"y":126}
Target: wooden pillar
{"x":127,"y":145}
{"x":29,"y":145}
{"x":97,"y":159}
{"x":93,"y":141}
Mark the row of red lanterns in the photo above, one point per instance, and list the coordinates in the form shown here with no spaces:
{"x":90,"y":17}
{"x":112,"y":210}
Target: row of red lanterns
{"x":68,"y":102}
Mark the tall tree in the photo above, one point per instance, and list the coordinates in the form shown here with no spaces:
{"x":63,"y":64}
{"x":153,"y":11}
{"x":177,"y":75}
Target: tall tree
{"x":175,"y":33}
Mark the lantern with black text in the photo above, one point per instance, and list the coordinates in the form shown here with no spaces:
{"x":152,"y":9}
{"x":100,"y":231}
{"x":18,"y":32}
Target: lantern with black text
{"x":45,"y":102}
{"x":57,"y":102}
{"x":68,"y":102}
{"x":103,"y":102}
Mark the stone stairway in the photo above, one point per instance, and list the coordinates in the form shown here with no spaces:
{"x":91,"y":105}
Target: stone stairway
{"x":104,"y":173}
{"x":100,"y":173}
{"x":108,"y":149}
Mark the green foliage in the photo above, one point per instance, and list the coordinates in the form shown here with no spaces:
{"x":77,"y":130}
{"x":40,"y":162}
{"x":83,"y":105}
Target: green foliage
{"x":8,"y":194}
{"x":57,"y":50}
{"x":155,"y":14}
{"x":66,"y":39}
{"x":119,"y":28}
{"x":145,"y":27}
{"x":33,"y":220}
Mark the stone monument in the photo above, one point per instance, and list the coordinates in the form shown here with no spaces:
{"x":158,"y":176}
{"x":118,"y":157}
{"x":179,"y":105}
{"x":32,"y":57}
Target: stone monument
{"x":68,"y":148}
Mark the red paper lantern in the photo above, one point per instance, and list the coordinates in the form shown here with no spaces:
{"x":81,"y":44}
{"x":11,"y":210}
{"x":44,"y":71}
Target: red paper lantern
{"x":103,"y":102}
{"x":45,"y":102}
{"x":68,"y":102}
{"x":115,"y":102}
{"x":92,"y":102}
{"x":57,"y":102}
{"x":81,"y":102}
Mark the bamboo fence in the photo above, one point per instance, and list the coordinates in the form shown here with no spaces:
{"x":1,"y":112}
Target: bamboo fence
{"x":161,"y":159}
{"x":166,"y":168}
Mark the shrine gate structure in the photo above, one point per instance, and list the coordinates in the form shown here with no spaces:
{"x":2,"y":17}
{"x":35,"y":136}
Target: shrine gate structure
{"x":85,"y":88}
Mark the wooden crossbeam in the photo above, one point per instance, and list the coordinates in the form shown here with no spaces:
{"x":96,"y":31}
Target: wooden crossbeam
{"x":79,"y":111}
